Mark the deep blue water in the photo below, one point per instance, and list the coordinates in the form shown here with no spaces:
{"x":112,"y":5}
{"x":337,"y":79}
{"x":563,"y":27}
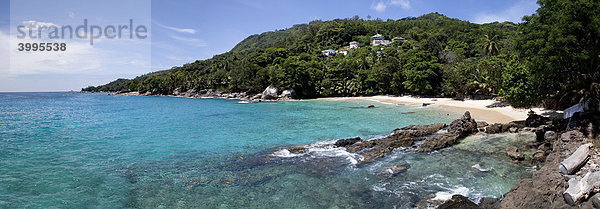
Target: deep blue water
{"x":101,"y":151}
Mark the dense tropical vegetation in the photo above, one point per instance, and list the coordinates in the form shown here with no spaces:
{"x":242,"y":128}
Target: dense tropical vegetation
{"x":550,"y":59}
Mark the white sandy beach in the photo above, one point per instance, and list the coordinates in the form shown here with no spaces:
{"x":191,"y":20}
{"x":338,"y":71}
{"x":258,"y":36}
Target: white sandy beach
{"x":478,"y":108}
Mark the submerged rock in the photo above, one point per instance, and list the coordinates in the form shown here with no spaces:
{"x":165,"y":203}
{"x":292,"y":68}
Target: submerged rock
{"x":394,"y":169}
{"x":478,"y":168}
{"x":513,"y":153}
{"x":297,"y":149}
{"x":458,"y":202}
{"x":347,"y":142}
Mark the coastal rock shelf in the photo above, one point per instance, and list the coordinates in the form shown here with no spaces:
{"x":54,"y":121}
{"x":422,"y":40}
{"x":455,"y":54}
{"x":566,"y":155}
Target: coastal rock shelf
{"x":269,"y":94}
{"x":371,"y":150}
{"x":430,"y":138}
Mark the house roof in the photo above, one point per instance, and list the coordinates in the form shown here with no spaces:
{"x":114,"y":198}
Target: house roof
{"x":398,"y":37}
{"x":354,"y":42}
{"x":377,"y":36}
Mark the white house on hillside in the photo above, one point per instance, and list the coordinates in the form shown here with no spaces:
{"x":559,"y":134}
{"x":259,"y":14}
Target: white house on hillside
{"x":329,"y":52}
{"x":378,"y":40}
{"x":354,"y":45}
{"x":398,"y":38}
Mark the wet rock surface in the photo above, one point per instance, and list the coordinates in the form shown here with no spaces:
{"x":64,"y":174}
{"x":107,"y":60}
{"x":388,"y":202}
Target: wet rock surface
{"x":394,"y":169}
{"x":377,"y":148}
{"x":459,"y":128}
{"x":535,"y":120}
{"x":438,"y":142}
{"x":458,"y":202}
{"x":513,"y":153}
{"x":489,"y":203}
{"x":347,"y":142}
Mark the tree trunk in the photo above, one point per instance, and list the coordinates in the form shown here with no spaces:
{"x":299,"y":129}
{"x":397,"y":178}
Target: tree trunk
{"x":580,"y":188}
{"x":576,"y":160}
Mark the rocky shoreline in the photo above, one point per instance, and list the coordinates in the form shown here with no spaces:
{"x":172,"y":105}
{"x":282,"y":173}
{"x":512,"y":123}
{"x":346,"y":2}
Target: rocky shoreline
{"x":556,"y":141}
{"x":271,"y":93}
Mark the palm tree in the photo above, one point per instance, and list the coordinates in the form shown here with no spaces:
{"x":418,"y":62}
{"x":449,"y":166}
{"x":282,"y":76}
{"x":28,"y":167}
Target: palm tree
{"x":491,"y":45}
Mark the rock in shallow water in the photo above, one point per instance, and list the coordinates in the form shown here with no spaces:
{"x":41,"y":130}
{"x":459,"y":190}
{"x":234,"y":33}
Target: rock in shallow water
{"x":458,"y":202}
{"x":489,"y":203}
{"x":438,"y":142}
{"x":394,"y":169}
{"x":373,"y":149}
{"x":459,"y":128}
{"x":513,"y":153}
{"x":347,"y":142}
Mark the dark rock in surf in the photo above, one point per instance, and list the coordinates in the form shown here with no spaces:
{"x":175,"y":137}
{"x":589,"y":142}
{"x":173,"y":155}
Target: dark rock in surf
{"x":394,"y":169}
{"x":535,"y":120}
{"x":513,"y":153}
{"x":438,"y":142}
{"x":489,"y":203}
{"x":459,"y":128}
{"x":458,"y":201}
{"x":373,"y":149}
{"x":464,"y":126}
{"x":347,"y":142}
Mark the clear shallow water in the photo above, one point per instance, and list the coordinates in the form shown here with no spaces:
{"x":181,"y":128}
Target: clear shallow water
{"x":95,"y":150}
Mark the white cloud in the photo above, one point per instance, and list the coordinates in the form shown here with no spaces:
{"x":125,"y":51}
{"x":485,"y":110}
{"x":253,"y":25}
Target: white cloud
{"x":405,"y":4}
{"x":176,"y":29}
{"x":382,"y":5}
{"x":182,"y":58}
{"x":379,"y":7}
{"x":512,"y":14}
{"x":192,"y":41}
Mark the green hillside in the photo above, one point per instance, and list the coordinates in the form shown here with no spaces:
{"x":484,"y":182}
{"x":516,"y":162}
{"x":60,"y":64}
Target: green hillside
{"x":441,"y":57}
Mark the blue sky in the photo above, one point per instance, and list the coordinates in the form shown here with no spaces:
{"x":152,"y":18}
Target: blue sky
{"x":184,"y":31}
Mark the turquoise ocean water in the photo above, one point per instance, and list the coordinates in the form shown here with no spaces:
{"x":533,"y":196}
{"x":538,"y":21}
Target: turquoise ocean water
{"x":61,"y":150}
